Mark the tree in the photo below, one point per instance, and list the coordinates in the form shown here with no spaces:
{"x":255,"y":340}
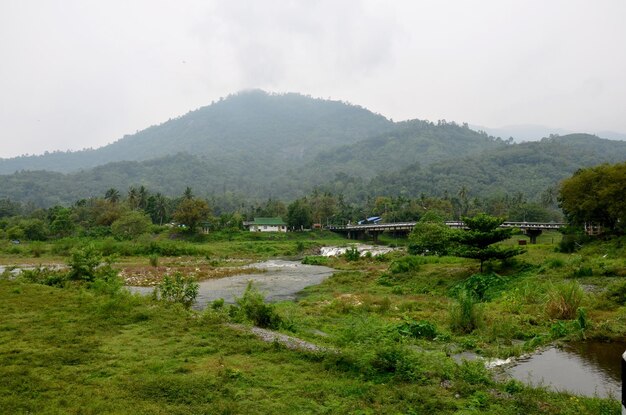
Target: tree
{"x":34,"y":229}
{"x":596,"y":195}
{"x":112,"y":195}
{"x":133,"y":198}
{"x":299,"y":214}
{"x":61,"y":223}
{"x":157,"y":207}
{"x":142,"y":197}
{"x":188,"y":193}
{"x":477,"y":241}
{"x":431,"y":236}
{"x":130,"y":225}
{"x":190,"y":212}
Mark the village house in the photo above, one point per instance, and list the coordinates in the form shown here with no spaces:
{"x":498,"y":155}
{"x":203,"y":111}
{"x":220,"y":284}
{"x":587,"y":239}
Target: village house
{"x":267,"y":225}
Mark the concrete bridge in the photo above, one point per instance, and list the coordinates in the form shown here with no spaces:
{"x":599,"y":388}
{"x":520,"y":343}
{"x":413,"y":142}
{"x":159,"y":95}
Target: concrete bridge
{"x":530,"y":229}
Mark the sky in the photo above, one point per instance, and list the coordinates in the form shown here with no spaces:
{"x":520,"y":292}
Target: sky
{"x":82,"y":74}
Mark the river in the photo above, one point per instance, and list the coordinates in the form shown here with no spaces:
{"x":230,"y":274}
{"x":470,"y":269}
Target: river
{"x":281,"y":280}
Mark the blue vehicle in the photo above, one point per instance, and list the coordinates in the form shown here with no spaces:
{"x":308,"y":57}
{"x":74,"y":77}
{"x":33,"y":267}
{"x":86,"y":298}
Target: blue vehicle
{"x":371,"y":220}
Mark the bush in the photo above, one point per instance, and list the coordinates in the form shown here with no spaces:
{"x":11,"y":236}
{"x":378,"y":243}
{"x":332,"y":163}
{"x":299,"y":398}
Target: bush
{"x":177,"y":288}
{"x":564,"y":300}
{"x":405,"y":264}
{"x":418,"y":329}
{"x":582,"y":272}
{"x":45,"y":276}
{"x":154,"y":260}
{"x":466,"y":314}
{"x":252,"y":307}
{"x":315,"y":260}
{"x":83,"y":263}
{"x":107,"y":280}
{"x":481,"y":286}
{"x":352,"y":254}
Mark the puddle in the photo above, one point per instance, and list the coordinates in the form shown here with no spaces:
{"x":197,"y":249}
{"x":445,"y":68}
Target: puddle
{"x":328,"y":251}
{"x":586,"y":368}
{"x":282,"y":280}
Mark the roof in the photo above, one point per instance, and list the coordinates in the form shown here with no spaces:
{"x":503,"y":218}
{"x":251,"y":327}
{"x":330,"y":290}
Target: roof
{"x":268,"y":221}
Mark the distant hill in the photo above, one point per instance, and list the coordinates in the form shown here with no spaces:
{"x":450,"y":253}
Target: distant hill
{"x":411,"y":142}
{"x":529,"y":168}
{"x":251,"y":125}
{"x":254,"y":145}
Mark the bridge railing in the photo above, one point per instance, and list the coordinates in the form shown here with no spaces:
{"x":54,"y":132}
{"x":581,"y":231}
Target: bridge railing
{"x":451,"y":224}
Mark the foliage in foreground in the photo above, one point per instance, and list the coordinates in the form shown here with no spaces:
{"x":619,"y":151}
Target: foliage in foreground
{"x":177,"y":288}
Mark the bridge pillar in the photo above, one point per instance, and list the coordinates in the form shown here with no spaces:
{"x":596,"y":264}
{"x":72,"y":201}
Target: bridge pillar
{"x":375,"y":236}
{"x":533,"y":234}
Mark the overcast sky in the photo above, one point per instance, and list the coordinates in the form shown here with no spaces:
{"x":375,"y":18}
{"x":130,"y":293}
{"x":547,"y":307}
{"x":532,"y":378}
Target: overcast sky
{"x":77,"y":74}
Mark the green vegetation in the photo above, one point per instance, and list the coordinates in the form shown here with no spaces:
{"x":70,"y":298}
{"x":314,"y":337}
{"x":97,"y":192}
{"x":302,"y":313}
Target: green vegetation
{"x":595,"y":196}
{"x":241,"y":149}
{"x":177,"y":288}
{"x":385,"y":329}
{"x":89,"y":346}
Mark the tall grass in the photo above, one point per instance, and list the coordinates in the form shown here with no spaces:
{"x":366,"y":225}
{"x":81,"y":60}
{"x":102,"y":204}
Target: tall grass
{"x":564,"y":300}
{"x":466,"y":314}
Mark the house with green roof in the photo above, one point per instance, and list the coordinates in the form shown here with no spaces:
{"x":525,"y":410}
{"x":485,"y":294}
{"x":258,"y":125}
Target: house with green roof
{"x":267,"y":225}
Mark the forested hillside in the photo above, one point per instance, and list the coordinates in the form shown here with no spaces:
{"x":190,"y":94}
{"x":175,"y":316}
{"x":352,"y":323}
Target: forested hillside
{"x":530,"y":168}
{"x":251,"y":125}
{"x":410,"y":142}
{"x":253,"y":146}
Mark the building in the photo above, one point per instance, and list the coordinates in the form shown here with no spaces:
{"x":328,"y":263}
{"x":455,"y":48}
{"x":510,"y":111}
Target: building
{"x":267,"y":225}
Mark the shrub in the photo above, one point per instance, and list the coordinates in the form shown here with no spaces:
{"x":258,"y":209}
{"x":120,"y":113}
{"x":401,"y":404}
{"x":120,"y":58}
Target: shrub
{"x":418,"y":329}
{"x":107,"y":280}
{"x":83,"y":263}
{"x":564,"y":300}
{"x":252,"y":307}
{"x":45,"y":276}
{"x":405,"y":264}
{"x":352,"y":254}
{"x":315,"y":260}
{"x":582,"y":272}
{"x":465,"y":314}
{"x":481,"y":286}
{"x":177,"y":288}
{"x":154,"y":260}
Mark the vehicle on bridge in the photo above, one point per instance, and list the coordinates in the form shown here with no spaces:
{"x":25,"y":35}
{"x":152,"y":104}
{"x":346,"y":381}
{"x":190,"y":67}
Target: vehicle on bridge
{"x":372,"y":220}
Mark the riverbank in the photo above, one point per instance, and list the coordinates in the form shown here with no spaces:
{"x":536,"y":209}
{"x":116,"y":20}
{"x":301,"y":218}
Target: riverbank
{"x":387,"y":320}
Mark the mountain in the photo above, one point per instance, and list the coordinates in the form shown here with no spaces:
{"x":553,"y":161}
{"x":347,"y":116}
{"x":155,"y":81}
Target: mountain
{"x":252,"y":126}
{"x":410,"y":142}
{"x":253,"y":146}
{"x":529,"y":168}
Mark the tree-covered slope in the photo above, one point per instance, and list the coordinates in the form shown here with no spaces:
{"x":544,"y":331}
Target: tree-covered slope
{"x":288,"y":128}
{"x":530,"y":168}
{"x":410,"y":142}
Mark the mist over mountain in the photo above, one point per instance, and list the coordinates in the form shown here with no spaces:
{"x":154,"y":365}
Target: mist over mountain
{"x":254,"y":125}
{"x":256,"y":146}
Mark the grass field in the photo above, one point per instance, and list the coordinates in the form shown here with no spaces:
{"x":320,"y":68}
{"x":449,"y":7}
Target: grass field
{"x":390,"y":326}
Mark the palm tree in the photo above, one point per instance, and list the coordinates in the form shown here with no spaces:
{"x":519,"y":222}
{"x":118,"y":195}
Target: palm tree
{"x":133,"y":198}
{"x":112,"y":195}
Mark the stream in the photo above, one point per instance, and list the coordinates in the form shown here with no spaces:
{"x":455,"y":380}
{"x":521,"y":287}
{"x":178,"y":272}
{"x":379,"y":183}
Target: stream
{"x":281,"y":280}
{"x":584,"y":368}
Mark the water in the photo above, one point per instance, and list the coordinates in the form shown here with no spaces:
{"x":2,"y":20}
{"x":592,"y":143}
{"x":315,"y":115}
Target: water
{"x":586,"y":368}
{"x":282,"y":280}
{"x":363,"y":250}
